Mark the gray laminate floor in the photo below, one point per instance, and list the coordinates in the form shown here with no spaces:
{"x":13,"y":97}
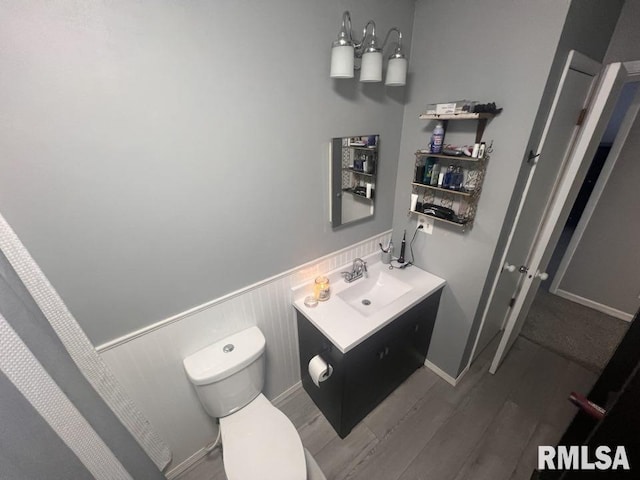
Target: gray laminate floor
{"x":488,"y":427}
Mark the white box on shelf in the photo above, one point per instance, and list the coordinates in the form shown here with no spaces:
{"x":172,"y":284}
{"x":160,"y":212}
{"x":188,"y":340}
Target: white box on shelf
{"x":445,"y":108}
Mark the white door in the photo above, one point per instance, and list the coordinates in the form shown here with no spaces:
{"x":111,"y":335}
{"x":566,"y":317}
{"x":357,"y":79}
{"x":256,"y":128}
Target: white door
{"x":557,"y":137}
{"x":559,"y":204}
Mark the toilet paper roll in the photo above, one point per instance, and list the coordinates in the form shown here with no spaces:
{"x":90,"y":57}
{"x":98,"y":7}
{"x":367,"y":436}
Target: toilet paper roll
{"x":319,"y":370}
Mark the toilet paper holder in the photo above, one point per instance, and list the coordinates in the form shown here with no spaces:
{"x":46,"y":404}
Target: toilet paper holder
{"x":319,"y":369}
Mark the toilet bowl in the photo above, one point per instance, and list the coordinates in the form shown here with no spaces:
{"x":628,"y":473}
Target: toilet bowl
{"x":258,"y":440}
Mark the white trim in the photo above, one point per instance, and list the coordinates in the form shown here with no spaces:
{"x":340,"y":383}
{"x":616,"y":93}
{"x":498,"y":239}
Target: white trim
{"x":613,"y":312}
{"x":582,"y":63}
{"x":192,"y":311}
{"x":288,"y":393}
{"x":444,"y":375}
{"x":185,"y":465}
{"x":598,"y":189}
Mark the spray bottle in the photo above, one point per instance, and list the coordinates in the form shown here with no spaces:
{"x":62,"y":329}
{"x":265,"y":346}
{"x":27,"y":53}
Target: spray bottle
{"x":437,"y":138}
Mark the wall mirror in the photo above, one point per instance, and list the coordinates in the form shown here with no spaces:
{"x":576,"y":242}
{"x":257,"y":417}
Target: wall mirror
{"x":354,"y":165}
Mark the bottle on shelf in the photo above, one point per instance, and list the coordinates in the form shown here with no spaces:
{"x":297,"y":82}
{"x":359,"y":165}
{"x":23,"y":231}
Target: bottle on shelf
{"x":435,"y":174}
{"x":446,"y":182}
{"x":420,"y":167}
{"x":428,"y":171}
{"x":457,"y":179}
{"x":437,"y":138}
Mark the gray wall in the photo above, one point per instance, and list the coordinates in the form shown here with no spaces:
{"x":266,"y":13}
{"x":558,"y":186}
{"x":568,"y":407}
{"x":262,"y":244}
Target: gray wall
{"x":157,"y":155}
{"x":518,"y":66}
{"x":625,"y":43}
{"x":498,"y":51}
{"x":588,"y":28}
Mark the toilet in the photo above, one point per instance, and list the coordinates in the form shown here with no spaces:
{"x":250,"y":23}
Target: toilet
{"x":257,"y":438}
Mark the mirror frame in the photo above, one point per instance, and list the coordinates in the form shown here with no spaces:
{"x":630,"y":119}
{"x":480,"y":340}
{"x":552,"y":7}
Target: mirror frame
{"x":353,"y":176}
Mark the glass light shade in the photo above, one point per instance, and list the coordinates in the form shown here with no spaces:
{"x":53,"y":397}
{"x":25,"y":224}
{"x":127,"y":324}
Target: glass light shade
{"x":371,"y":67}
{"x":396,"y":72}
{"x":342,"y":61}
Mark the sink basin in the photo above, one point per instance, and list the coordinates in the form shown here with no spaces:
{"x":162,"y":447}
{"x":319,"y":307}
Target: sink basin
{"x":345,"y":320}
{"x":369,"y":295}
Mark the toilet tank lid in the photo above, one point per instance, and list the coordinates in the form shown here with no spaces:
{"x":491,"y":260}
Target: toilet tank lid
{"x":225,"y":357}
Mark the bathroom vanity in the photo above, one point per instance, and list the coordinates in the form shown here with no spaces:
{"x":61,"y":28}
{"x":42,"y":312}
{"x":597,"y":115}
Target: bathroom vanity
{"x":371,"y":351}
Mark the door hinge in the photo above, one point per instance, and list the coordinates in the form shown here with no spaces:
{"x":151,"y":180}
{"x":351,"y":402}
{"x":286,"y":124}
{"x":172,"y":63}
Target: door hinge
{"x":581,"y":115}
{"x":512,"y":302}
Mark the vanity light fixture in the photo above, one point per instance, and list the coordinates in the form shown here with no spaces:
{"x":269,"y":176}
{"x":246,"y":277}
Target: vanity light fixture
{"x":346,"y":49}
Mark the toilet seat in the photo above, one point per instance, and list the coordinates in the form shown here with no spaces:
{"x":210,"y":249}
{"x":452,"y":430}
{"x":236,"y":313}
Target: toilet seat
{"x":259,"y":441}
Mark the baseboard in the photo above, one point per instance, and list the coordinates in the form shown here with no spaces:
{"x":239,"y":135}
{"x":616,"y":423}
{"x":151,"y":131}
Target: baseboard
{"x":444,"y":375}
{"x":284,"y":396}
{"x":613,"y":312}
{"x":200,"y":454}
{"x":181,"y":468}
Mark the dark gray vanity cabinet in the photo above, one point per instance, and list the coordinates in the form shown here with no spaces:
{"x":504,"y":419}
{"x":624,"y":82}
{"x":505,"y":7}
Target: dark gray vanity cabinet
{"x":368,"y":373}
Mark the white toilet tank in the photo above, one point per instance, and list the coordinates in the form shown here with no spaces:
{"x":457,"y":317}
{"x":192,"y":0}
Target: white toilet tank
{"x":230,"y":373}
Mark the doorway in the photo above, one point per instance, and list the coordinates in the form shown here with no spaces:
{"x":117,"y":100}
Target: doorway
{"x":606,"y":211}
{"x":564,"y":193}
{"x":583,"y":310}
{"x":543,"y":168}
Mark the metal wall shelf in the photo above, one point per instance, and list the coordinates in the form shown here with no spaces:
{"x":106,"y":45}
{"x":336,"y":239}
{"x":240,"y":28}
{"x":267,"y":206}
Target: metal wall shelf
{"x":480,"y":117}
{"x":463,"y":202}
{"x":360,"y":172}
{"x":457,"y":224}
{"x":446,"y":190}
{"x":456,"y":116}
{"x":424,"y":153}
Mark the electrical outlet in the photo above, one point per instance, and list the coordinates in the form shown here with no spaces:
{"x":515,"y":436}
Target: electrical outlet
{"x":427,"y":225}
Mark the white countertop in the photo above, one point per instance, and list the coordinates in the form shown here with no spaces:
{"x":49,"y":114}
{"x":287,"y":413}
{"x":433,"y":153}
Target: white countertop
{"x":343,"y":324}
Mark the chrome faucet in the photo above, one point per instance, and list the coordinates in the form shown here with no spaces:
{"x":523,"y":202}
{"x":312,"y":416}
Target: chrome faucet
{"x":358,"y":270}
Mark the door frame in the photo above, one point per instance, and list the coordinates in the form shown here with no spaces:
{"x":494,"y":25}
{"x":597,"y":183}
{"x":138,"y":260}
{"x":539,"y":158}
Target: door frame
{"x":569,"y":181}
{"x":633,"y":75}
{"x":575,"y":61}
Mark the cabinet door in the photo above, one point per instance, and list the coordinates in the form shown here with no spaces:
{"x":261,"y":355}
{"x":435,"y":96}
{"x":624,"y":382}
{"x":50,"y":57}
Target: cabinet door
{"x":369,"y":376}
{"x":380,"y":364}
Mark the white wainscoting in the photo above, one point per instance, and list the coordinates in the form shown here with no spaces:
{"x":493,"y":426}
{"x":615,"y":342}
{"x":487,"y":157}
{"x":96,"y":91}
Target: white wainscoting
{"x":148,"y":362}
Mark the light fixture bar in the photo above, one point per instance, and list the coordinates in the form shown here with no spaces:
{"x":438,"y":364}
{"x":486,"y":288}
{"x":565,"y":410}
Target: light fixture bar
{"x":346,"y":48}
